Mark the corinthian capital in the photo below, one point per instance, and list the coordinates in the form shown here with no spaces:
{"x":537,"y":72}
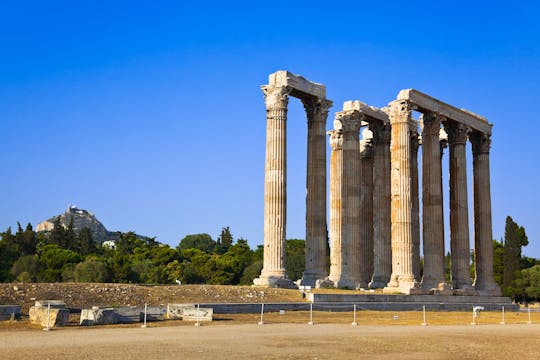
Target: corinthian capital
{"x":276,"y":96}
{"x":381,"y":132}
{"x":336,"y":139}
{"x":431,"y":123}
{"x":316,"y":108}
{"x":350,"y":121}
{"x":457,"y":132}
{"x":481,"y":142}
{"x":400,"y":111}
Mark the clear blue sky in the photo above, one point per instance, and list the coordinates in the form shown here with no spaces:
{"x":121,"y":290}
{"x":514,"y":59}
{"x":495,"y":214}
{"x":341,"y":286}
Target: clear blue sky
{"x":150,"y":114}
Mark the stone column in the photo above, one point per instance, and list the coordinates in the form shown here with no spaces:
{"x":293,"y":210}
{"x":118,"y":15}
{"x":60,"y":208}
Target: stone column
{"x":483,"y":247}
{"x":317,"y":113}
{"x":336,"y":170}
{"x":274,"y":273}
{"x":459,"y":215}
{"x":350,"y":201}
{"x":432,"y":203}
{"x":366,"y":213}
{"x":382,"y":244}
{"x":402,"y":278}
{"x":415,"y":199}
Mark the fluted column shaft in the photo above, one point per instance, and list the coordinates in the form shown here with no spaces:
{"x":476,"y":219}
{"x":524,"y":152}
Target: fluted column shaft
{"x":350,"y":229}
{"x":402,"y":278}
{"x":366,"y":211}
{"x":483,"y":244}
{"x":336,"y":171}
{"x":432,"y":203}
{"x":415,"y":199}
{"x":459,"y":209}
{"x":317,"y":113}
{"x":382,"y":244}
{"x":275,"y":187}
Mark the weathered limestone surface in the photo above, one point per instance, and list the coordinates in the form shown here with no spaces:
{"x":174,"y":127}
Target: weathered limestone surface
{"x":336,"y":171}
{"x":426,"y":103}
{"x":382,"y":243}
{"x":415,"y":219}
{"x":53,"y":317}
{"x":97,"y":316}
{"x":317,"y":113}
{"x":484,"y":282}
{"x":281,"y":84}
{"x":459,"y":218}
{"x":275,"y":189}
{"x":189,"y":312}
{"x":366,"y":211}
{"x":350,"y":123}
{"x":402,"y":278}
{"x":432,"y":203}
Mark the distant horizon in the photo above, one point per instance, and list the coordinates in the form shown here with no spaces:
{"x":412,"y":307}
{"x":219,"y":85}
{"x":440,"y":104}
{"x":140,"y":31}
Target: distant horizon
{"x":151,"y":116}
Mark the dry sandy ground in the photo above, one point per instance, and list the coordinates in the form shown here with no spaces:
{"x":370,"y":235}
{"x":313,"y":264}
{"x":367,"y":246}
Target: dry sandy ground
{"x":276,"y":341}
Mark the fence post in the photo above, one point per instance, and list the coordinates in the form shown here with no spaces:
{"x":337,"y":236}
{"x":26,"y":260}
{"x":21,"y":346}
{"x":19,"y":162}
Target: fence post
{"x":354,"y":323}
{"x":529,"y":322}
{"x":424,"y":323}
{"x":198,"y":314}
{"x":473,"y":317}
{"x":310,"y":314}
{"x":145,"y":309}
{"x":262,"y":314}
{"x":502,"y":322}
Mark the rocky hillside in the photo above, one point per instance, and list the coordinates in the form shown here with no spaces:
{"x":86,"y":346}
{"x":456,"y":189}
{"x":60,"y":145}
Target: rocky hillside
{"x":81,"y":219}
{"x":85,"y":295}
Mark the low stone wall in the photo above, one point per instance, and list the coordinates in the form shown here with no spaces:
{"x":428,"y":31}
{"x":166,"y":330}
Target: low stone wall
{"x":10,"y":312}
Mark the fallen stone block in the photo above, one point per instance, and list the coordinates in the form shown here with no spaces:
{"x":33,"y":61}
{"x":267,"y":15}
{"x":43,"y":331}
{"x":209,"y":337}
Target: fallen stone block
{"x":128,"y":314}
{"x":154,"y":313}
{"x":97,"y":316}
{"x":200,"y":314}
{"x":176,"y":311}
{"x":46,"y":317}
{"x":55,"y":304}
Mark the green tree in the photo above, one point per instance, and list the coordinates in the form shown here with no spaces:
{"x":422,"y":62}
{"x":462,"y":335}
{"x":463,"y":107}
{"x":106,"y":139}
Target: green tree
{"x":225,"y":240}
{"x":91,"y":270}
{"x":203,"y":242}
{"x":514,"y":239}
{"x":498,"y":267}
{"x":295,"y":260}
{"x":9,"y":252}
{"x":54,"y":260}
{"x":28,"y":264}
{"x":530,"y":282}
{"x":86,"y":243}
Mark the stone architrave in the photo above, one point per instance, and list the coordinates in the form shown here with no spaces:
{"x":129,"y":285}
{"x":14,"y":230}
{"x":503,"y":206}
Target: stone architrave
{"x":402,"y":278}
{"x":275,"y":188}
{"x":432,"y":203}
{"x":336,"y":170}
{"x":350,"y":123}
{"x":459,"y":217}
{"x":415,"y":143}
{"x":316,"y":236}
{"x":382,"y":243}
{"x":366,"y":211}
{"x":484,"y":281}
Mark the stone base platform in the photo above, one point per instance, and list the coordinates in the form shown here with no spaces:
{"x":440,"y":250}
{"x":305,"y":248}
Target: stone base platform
{"x":414,"y":302}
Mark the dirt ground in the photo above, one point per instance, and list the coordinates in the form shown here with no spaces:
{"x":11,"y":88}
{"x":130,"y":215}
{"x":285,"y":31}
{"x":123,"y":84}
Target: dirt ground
{"x":276,"y":341}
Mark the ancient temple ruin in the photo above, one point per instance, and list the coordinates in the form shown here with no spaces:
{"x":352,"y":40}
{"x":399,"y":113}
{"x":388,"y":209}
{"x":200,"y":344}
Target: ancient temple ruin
{"x":374,"y":223}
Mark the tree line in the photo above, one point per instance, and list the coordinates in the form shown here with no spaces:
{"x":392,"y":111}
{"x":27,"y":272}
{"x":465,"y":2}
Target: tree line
{"x":64,"y":254}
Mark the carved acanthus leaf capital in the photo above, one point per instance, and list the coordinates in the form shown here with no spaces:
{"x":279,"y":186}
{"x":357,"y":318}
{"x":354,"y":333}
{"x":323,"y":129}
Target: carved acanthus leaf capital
{"x":336,"y":139}
{"x":431,"y":123}
{"x":481,"y":142}
{"x":381,"y":132}
{"x":350,"y":121}
{"x":457,"y":132}
{"x":276,"y":97}
{"x":400,"y":111}
{"x":317,"y":109}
